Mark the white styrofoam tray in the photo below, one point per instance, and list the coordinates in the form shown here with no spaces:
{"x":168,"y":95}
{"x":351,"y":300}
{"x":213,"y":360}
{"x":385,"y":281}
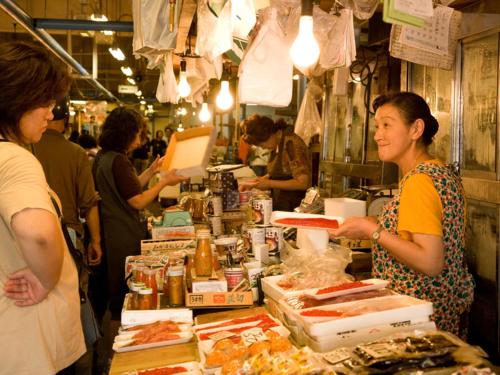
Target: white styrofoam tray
{"x":326,"y":343}
{"x":371,"y":285}
{"x":412,"y":310}
{"x":192,"y":368}
{"x":271,"y":288}
{"x":134,"y":317}
{"x":276,"y":215}
{"x":121,"y":344}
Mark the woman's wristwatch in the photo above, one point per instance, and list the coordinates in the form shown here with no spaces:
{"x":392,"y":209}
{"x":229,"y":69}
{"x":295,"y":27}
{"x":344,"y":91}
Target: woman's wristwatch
{"x":376,"y":234}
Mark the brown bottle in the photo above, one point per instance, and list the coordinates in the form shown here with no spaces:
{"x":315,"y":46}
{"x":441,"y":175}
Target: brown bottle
{"x":203,"y":254}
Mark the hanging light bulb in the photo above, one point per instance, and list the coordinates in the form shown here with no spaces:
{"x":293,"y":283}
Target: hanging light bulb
{"x":305,"y":48}
{"x":180,"y":128}
{"x":224,"y":99}
{"x":183,"y":86}
{"x":204,"y":114}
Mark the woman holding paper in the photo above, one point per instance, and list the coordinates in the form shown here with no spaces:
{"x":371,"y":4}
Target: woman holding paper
{"x":289,"y":170}
{"x":122,"y":196}
{"x":419,"y":239}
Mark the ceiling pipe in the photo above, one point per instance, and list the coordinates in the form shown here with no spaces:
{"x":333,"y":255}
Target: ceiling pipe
{"x":25,"y":20}
{"x":63,"y":24}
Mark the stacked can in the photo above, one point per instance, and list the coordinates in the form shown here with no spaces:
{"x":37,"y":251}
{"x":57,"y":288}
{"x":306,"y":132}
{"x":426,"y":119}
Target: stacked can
{"x":274,"y":238}
{"x":254,"y":235}
{"x":230,"y":195}
{"x":262,"y":207}
{"x":215,"y":214}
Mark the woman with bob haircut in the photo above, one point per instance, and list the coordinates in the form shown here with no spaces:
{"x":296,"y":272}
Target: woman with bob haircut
{"x":122,"y":196}
{"x":39,"y":299}
{"x":289,"y":171}
{"x":419,"y":238}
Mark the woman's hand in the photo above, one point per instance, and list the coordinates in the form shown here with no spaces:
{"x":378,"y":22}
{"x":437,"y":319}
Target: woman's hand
{"x":94,"y":252}
{"x":172,"y":178}
{"x":264,"y":183}
{"x":156,"y":164}
{"x":24,"y":288}
{"x":356,"y":228}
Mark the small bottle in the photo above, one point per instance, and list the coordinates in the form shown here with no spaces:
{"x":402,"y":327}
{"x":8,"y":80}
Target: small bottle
{"x":175,"y":286}
{"x":145,"y":299}
{"x":203,"y":254}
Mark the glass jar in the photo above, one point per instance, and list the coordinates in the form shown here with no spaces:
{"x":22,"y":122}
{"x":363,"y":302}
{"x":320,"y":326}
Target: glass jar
{"x":175,"y":286}
{"x":134,"y":295}
{"x":203,"y":254}
{"x":149,"y":278}
{"x":145,"y":301}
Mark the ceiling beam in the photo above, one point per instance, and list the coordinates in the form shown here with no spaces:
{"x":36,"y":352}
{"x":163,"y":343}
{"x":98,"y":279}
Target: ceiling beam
{"x":65,"y":24}
{"x":186,"y":18}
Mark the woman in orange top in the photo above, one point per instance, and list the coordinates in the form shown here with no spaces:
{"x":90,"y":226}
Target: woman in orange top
{"x":419,"y":238}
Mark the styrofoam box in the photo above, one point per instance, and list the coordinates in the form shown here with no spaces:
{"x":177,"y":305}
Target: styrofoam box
{"x":134,"y":317}
{"x":345,"y":207}
{"x":354,"y":337}
{"x":271,"y":288}
{"x":414,"y":311}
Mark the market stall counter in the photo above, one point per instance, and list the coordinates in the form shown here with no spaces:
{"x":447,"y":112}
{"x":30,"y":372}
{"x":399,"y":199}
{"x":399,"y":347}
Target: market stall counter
{"x":174,"y":354}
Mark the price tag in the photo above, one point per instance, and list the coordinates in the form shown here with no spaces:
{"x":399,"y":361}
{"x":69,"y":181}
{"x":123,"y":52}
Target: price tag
{"x":337,"y":356}
{"x":221,"y":335}
{"x":253,"y":335}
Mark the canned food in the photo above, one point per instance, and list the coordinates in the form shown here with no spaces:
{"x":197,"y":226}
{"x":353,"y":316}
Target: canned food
{"x":215,"y":206}
{"x":274,"y":238}
{"x":262,"y":207}
{"x":215,"y":225}
{"x":254,"y":236}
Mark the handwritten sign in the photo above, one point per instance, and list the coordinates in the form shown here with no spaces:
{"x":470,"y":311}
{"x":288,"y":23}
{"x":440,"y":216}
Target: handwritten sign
{"x":253,"y":335}
{"x":221,"y":335}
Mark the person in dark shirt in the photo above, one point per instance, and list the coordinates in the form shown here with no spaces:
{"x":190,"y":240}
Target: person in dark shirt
{"x":140,"y":156}
{"x":158,"y":145}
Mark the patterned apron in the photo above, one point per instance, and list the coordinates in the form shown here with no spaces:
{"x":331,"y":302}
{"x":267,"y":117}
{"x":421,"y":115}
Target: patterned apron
{"x":452,"y":291}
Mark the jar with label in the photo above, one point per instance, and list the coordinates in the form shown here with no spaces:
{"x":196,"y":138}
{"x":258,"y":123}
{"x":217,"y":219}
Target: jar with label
{"x":203,"y":254}
{"x":145,"y":299}
{"x":175,"y":286}
{"x":134,"y":295}
{"x":149,"y":279}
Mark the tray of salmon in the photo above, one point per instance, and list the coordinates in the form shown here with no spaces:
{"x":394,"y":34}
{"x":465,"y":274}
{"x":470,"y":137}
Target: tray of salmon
{"x":145,"y":336}
{"x":345,"y":288}
{"x":186,"y":368}
{"x":305,"y":221}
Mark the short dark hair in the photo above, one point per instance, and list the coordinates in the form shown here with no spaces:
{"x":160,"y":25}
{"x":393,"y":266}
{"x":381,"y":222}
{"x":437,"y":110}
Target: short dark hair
{"x":87,"y":141}
{"x":120,"y":129}
{"x":411,"y":107}
{"x":257,"y":129}
{"x":30,"y":78}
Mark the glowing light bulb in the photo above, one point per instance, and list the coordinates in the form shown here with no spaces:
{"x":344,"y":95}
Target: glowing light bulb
{"x":204,"y":114}
{"x":180,"y":128}
{"x":183,"y":87}
{"x":224,"y":99}
{"x":305,"y":48}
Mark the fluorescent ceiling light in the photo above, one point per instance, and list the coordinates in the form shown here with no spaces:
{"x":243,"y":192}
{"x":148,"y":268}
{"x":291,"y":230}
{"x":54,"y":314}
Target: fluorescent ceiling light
{"x":131,"y":80}
{"x":84,"y":34}
{"x":78,"y":102}
{"x":126,"y":70}
{"x":296,"y":77}
{"x":117,"y":53}
{"x":142,"y":102}
{"x":108,"y":32}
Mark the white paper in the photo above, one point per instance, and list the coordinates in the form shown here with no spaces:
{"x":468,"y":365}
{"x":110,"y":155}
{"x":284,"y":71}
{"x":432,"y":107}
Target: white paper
{"x":434,"y":36}
{"x":190,"y":152}
{"x":418,"y":8}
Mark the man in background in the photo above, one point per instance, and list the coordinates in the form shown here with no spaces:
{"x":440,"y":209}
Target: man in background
{"x":68,"y":173}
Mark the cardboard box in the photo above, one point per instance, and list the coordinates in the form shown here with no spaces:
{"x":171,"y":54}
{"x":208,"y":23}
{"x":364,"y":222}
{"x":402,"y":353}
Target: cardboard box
{"x":173,"y":233}
{"x":227,"y":299}
{"x":217,"y":283}
{"x":189,"y":151}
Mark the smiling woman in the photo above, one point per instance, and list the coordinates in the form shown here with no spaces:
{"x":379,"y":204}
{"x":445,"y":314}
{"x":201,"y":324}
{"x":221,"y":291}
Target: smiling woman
{"x":419,"y":239}
{"x":39,"y":302}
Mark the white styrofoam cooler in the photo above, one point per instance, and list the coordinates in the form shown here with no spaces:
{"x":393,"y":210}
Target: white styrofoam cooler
{"x":326,"y":343}
{"x":271,"y":288}
{"x":413,"y":311}
{"x":345,"y":207}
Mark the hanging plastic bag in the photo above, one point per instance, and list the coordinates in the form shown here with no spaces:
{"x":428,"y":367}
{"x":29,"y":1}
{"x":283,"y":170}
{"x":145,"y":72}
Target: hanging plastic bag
{"x":308,"y":121}
{"x":339,"y":48}
{"x":166,"y":92}
{"x":152,"y":33}
{"x":243,"y":17}
{"x":214,"y":32}
{"x":266,"y":69}
{"x":199,"y":72}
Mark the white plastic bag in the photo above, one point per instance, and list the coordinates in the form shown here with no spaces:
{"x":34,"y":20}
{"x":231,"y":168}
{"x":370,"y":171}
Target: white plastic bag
{"x":214,"y":32}
{"x":308,"y":121}
{"x":266,"y":69}
{"x":151,"y":26}
{"x":166,"y":92}
{"x":339,"y":48}
{"x":199,"y":72}
{"x":243,"y":17}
